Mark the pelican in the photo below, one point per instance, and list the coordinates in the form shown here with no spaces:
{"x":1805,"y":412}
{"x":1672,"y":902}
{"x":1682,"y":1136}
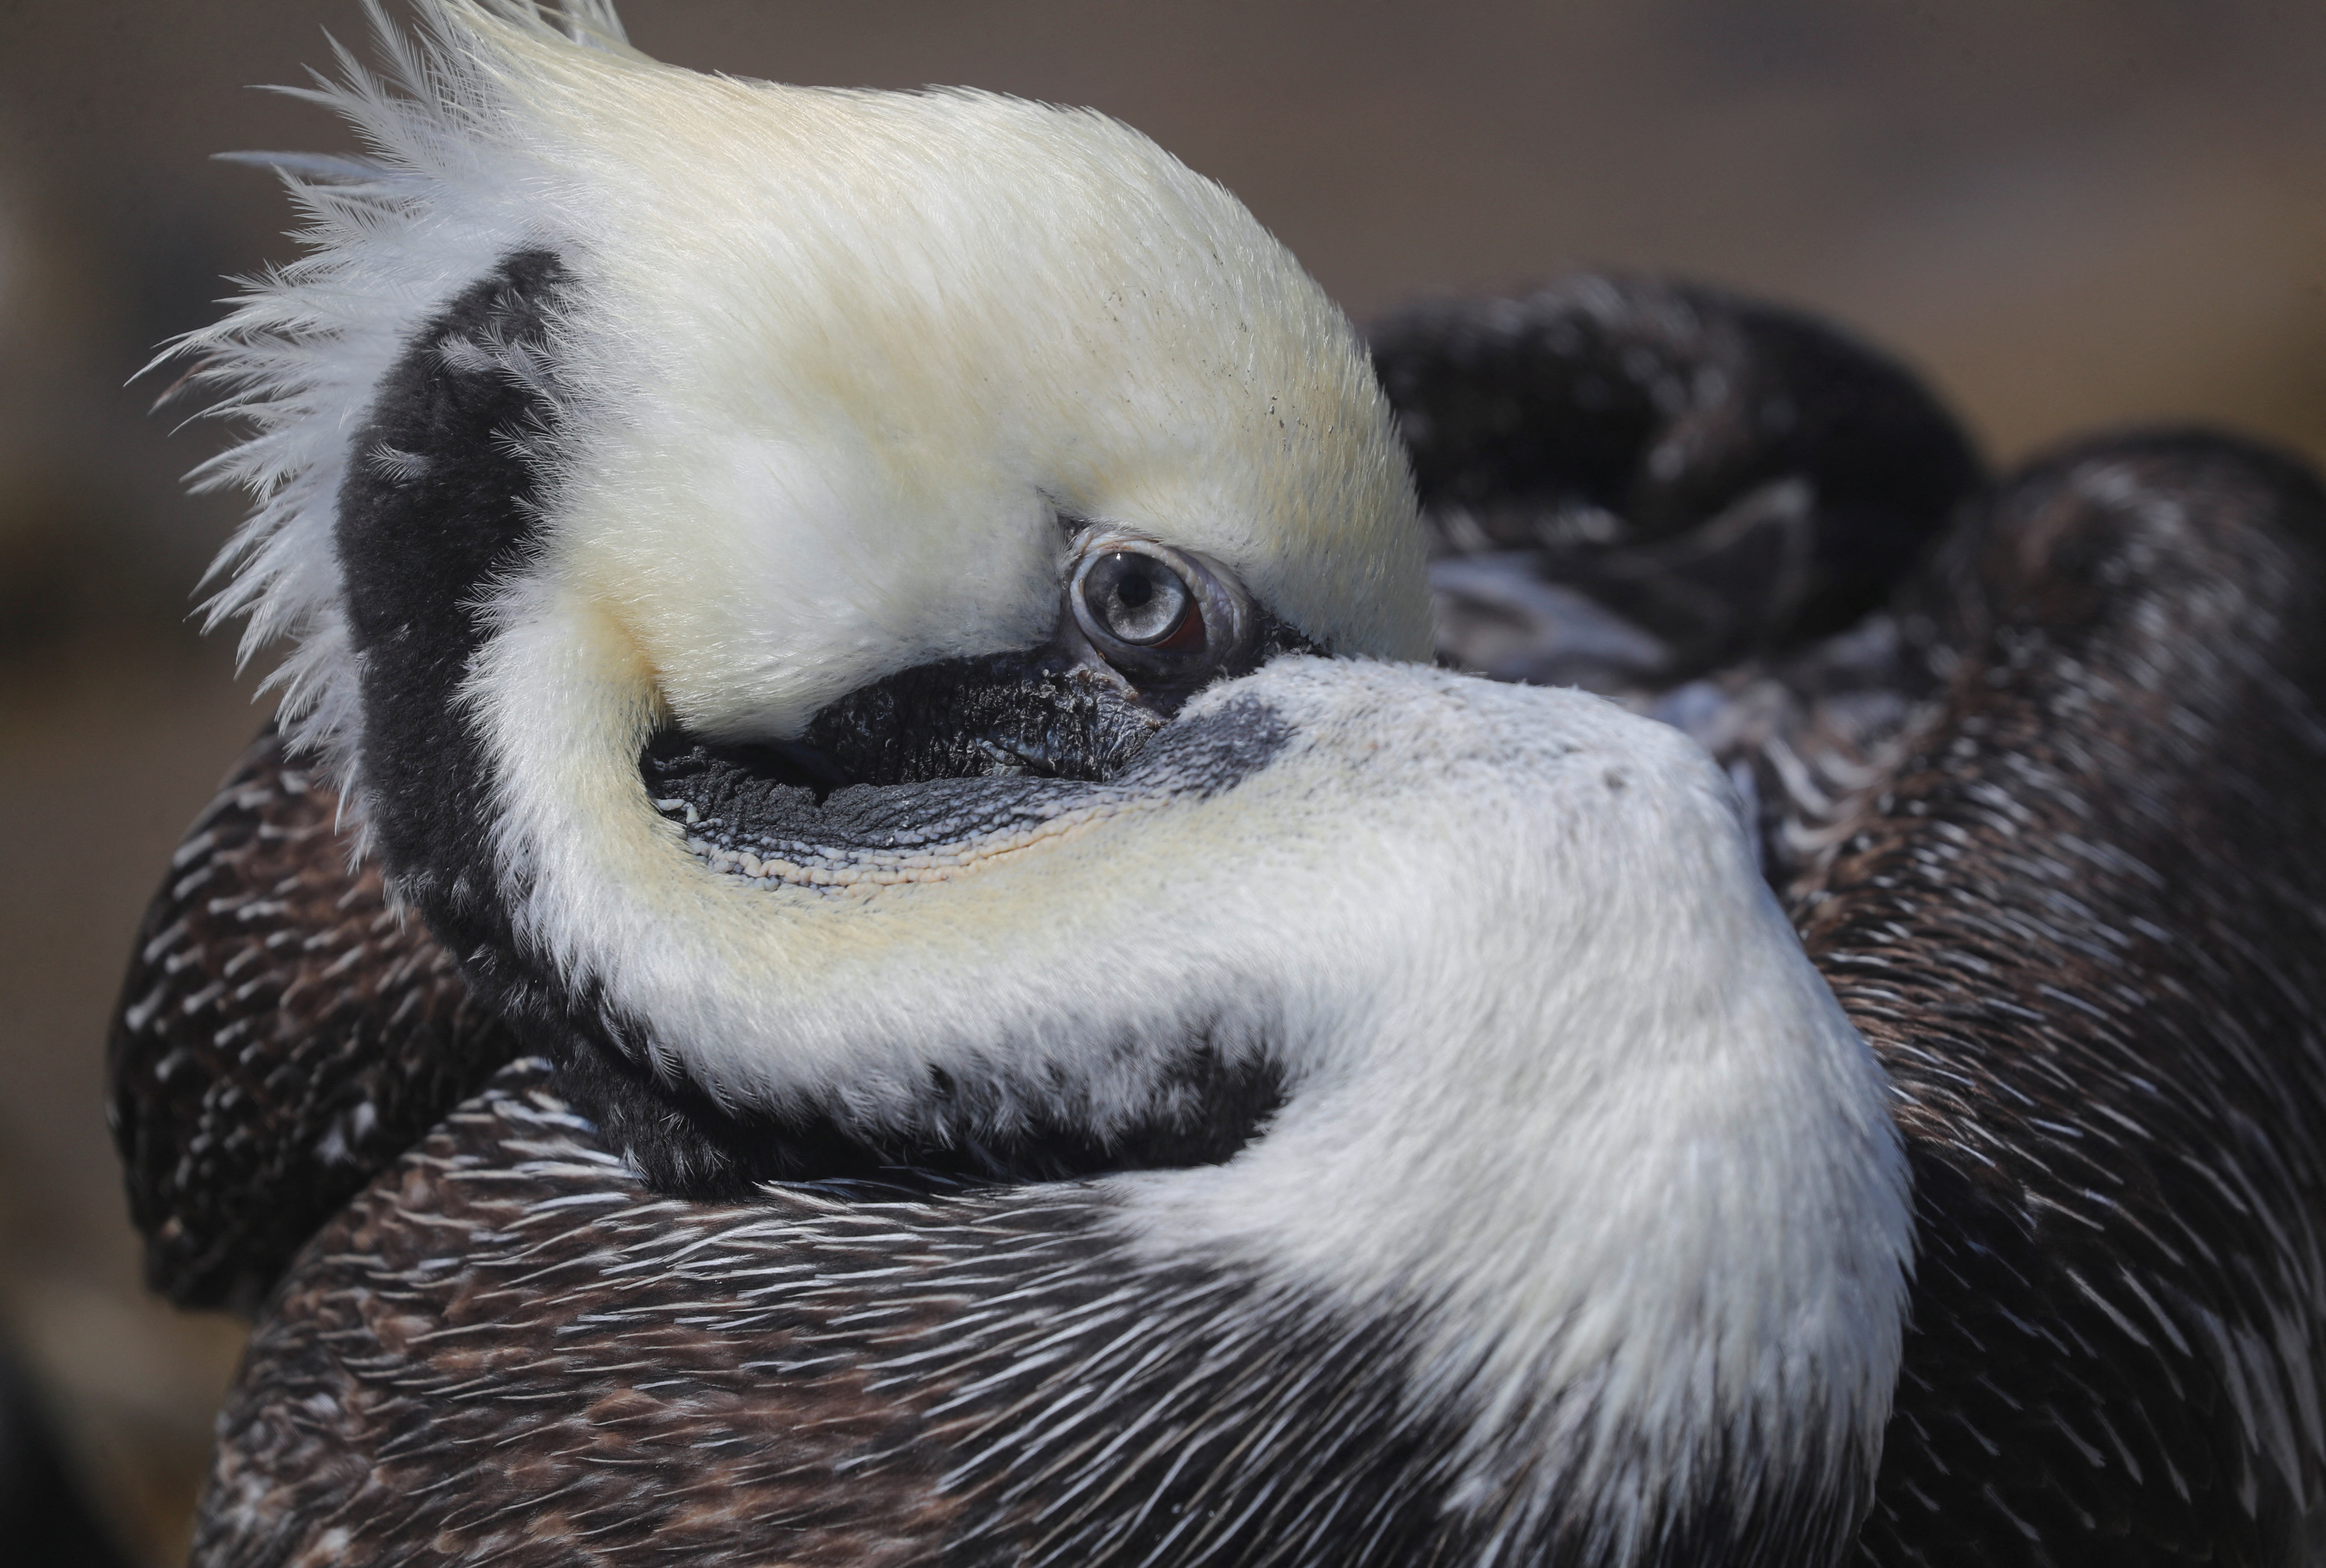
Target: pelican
{"x":855,"y":698}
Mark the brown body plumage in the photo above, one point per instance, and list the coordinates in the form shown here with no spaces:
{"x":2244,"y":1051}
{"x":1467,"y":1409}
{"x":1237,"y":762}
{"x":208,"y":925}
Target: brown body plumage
{"x":290,"y":1033}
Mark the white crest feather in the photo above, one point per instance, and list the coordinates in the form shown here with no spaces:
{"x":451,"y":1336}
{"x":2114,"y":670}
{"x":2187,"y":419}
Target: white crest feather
{"x":389,"y":238}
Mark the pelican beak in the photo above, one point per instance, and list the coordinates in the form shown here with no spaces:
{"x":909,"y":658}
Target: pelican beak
{"x":1061,"y":711}
{"x":1044,"y":713}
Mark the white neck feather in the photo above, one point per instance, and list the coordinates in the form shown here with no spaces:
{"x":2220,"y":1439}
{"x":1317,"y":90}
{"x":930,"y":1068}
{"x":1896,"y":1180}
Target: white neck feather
{"x":1585,"y":1113}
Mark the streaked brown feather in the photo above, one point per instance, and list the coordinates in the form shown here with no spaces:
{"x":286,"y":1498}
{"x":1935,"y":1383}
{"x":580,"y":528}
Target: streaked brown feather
{"x":2084,"y":929}
{"x":283,"y":1033}
{"x":445,"y":1379}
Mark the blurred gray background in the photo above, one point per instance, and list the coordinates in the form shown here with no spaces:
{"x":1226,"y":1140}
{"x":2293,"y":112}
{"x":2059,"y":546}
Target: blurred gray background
{"x":2070,"y":215}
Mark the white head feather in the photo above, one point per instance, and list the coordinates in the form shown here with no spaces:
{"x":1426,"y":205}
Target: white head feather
{"x":835,"y":358}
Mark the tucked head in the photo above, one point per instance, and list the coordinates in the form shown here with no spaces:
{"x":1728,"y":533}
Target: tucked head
{"x":846,"y":368}
{"x":861,"y":437}
{"x":815,"y":385}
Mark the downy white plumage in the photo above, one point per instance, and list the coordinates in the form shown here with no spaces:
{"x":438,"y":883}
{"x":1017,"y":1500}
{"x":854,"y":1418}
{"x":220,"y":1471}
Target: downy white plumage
{"x":825,"y":388}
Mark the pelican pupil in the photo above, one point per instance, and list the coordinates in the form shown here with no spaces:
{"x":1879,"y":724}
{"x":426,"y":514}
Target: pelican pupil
{"x":1135,"y":598}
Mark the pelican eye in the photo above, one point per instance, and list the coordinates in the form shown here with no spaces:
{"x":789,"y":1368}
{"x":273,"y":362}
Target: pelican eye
{"x":1167,"y":620}
{"x":1137,"y":599}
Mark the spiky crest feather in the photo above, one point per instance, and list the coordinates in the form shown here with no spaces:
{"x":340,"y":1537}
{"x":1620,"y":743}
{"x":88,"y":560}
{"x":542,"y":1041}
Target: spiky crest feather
{"x":388,"y":236}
